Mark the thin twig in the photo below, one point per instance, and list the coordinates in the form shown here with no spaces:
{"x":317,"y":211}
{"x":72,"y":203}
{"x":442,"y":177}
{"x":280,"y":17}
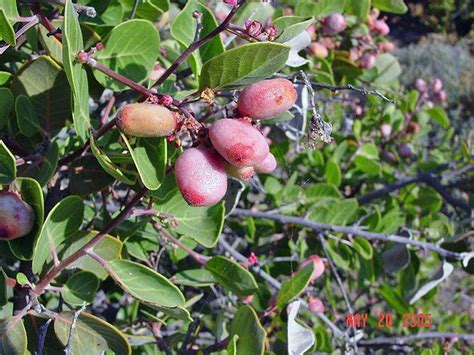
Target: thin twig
{"x":43,"y":330}
{"x":348,"y":230}
{"x":134,"y":10}
{"x":34,"y":20}
{"x":68,"y":348}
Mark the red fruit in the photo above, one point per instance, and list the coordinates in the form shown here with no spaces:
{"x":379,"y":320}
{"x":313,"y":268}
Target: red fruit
{"x":267,"y":98}
{"x":318,"y":266}
{"x":315,"y":305}
{"x":334,"y":24}
{"x":421,"y":85}
{"x":385,"y":47}
{"x":318,"y":50}
{"x":267,"y":165}
{"x":367,"y":61}
{"x":413,"y":128}
{"x":437,"y":85}
{"x":200,"y":176}
{"x":381,"y":27}
{"x":441,"y":96}
{"x":238,"y":142}
{"x":244,"y":174}
{"x":328,"y":42}
{"x":16,"y":217}
{"x":146,"y":120}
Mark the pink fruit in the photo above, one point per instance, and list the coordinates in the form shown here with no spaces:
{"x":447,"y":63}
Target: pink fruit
{"x":358,"y":110}
{"x":146,"y":120}
{"x":413,"y":128}
{"x":238,"y":142}
{"x":200,"y":176}
{"x":318,"y":266}
{"x":386,"y":129}
{"x":441,"y":96}
{"x":267,"y":98}
{"x":16,"y":217}
{"x":328,"y":42}
{"x":334,"y":24}
{"x":318,"y":50}
{"x":367,"y":60}
{"x":267,"y":165}
{"x":244,"y":174}
{"x":437,"y":85}
{"x":389,"y":156}
{"x":381,"y":27}
{"x":315,"y":305}
{"x":421,"y":85}
{"x":385,"y":47}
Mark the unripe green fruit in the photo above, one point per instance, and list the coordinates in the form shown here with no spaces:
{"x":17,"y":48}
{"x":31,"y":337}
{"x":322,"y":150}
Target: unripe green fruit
{"x":244,"y":174}
{"x":238,"y":142}
{"x":267,"y":98}
{"x":146,"y":120}
{"x":16,"y":217}
{"x":200,"y":176}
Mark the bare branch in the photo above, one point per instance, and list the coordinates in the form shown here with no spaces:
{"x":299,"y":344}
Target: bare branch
{"x":68,"y":348}
{"x":348,"y":230}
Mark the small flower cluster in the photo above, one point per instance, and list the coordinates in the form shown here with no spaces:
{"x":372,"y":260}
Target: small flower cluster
{"x":255,"y":29}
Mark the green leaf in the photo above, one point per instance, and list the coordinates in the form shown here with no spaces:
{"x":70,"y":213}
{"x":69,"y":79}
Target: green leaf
{"x":109,"y":248}
{"x":12,"y":336}
{"x":294,"y":286}
{"x":86,"y":176}
{"x":27,"y":120}
{"x":232,"y":276}
{"x":368,"y":150}
{"x":291,"y":26}
{"x":359,"y":8}
{"x":243,"y":65}
{"x":180,"y":30}
{"x":9,"y":7}
{"x":393,"y":299}
{"x":388,"y":68}
{"x":6,"y":30}
{"x":322,"y":191}
{"x":64,"y":219}
{"x":333,"y":173}
{"x":202,"y":224}
{"x":147,"y":9}
{"x":6,"y":105}
{"x":363,"y":247}
{"x":429,"y":199}
{"x":109,"y":166}
{"x":232,"y":346}
{"x":31,"y":193}
{"x":4,"y":78}
{"x":46,"y":85}
{"x":22,"y":279}
{"x":367,"y":165}
{"x":3,"y":288}
{"x":149,"y":156}
{"x":46,"y":169}
{"x":76,"y":74}
{"x":145,"y":284}
{"x":439,"y":115}
{"x":338,"y":213}
{"x":7,"y":165}
{"x":91,"y":335}
{"x":194,"y":278}
{"x":319,"y":9}
{"x":250,"y":332}
{"x":81,"y":287}
{"x":394,"y":6}
{"x":131,"y":49}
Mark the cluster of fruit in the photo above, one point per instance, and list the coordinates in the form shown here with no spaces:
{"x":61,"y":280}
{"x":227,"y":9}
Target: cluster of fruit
{"x":433,"y":91}
{"x":364,"y":50}
{"x":234,"y":147}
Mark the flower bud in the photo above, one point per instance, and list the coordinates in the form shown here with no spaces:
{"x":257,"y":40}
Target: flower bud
{"x":334,"y":24}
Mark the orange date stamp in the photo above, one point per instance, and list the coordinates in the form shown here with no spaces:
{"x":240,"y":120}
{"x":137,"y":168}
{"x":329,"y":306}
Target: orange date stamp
{"x":385,"y":320}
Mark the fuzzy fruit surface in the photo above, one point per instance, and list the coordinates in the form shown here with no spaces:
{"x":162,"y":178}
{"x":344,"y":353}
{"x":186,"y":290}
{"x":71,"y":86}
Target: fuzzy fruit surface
{"x":267,"y":165}
{"x":318,"y":266}
{"x":16,"y":217}
{"x":146,"y":120}
{"x":200,"y":176}
{"x":238,"y":142}
{"x":267,"y":98}
{"x":244,"y":174}
{"x":315,"y":305}
{"x":334,"y":24}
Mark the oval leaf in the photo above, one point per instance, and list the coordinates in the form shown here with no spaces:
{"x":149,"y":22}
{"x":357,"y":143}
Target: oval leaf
{"x":63,"y":220}
{"x":251,"y":335}
{"x":82,"y":287}
{"x":243,"y":65}
{"x":232,"y":276}
{"x":145,"y":284}
{"x":7,"y":165}
{"x":12,"y":336}
{"x":293,"y":287}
